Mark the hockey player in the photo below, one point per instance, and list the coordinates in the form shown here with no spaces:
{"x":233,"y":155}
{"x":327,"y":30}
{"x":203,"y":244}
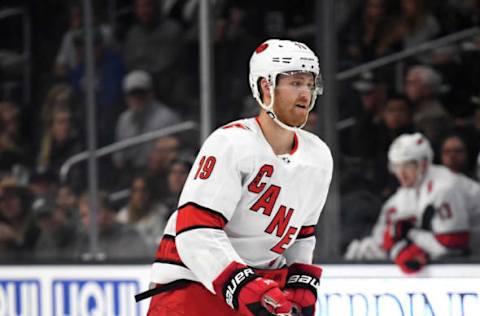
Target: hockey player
{"x":242,"y":239}
{"x":427,"y":217}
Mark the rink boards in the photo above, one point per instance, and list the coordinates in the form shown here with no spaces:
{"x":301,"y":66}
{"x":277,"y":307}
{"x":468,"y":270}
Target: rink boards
{"x":350,"y":290}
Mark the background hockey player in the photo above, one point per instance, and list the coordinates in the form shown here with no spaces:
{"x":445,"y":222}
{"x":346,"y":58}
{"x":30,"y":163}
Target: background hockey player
{"x":427,"y":218}
{"x":242,"y":240}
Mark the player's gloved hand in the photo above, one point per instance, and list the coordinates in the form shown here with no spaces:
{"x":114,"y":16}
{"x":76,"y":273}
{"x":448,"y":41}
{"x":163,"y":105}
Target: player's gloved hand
{"x":396,"y":232}
{"x":250,"y":294}
{"x":401,"y":229}
{"x":408,"y":256}
{"x":301,"y":288}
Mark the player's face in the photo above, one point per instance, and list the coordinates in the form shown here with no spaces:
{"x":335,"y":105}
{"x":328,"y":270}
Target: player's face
{"x":293,"y":95}
{"x":406,"y":173}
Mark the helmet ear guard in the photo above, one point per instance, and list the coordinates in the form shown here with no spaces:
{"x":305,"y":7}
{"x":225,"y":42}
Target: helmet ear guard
{"x":275,"y":57}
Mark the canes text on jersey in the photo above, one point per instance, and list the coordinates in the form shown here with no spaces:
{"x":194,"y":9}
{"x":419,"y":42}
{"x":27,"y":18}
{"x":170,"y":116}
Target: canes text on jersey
{"x":267,"y":202}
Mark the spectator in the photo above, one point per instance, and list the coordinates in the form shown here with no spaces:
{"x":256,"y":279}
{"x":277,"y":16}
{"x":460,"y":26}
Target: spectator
{"x":396,"y":120}
{"x":107,"y":84}
{"x":454,"y":155}
{"x":428,"y":216}
{"x":368,"y":33}
{"x":58,"y":96}
{"x":164,"y":152}
{"x":416,"y":23}
{"x":144,"y":114}
{"x":177,"y":175}
{"x":18,"y":229}
{"x":143,"y":213}
{"x":59,"y":142}
{"x":476,"y":126}
{"x":67,"y":59}
{"x":42,"y":184}
{"x":423,"y":86}
{"x":57,"y":230}
{"x":154,"y":43}
{"x":12,"y":149}
{"x":373,"y":93}
{"x":116,"y":240}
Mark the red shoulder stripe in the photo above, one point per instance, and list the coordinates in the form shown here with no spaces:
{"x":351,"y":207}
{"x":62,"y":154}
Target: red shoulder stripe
{"x":192,"y":216}
{"x":454,"y":240}
{"x":306,"y":231}
{"x":167,"y":251}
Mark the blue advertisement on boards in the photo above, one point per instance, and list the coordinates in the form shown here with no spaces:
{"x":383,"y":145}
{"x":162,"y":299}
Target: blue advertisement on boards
{"x":20,"y":297}
{"x":84,"y":297}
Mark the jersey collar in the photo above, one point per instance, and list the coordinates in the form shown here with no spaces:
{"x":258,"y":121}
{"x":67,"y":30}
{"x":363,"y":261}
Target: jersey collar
{"x":295,"y":138}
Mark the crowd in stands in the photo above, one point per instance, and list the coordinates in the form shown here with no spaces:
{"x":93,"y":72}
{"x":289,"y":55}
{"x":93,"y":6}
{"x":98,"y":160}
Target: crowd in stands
{"x":147,"y":68}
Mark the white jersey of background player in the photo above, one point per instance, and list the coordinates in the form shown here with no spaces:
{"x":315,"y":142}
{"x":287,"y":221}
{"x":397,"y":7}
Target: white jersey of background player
{"x":252,"y":200}
{"x":427,"y":217}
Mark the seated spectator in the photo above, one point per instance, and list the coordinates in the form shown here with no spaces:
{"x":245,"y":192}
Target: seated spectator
{"x":57,"y":230}
{"x":12,"y":149}
{"x":115,"y":240}
{"x":154,"y":43}
{"x":368,"y":33}
{"x":428,"y":216}
{"x":396,"y":120}
{"x":164,"y":152}
{"x":454,"y":155}
{"x":58,"y":220}
{"x":423,"y":86}
{"x":18,"y":229}
{"x":177,"y":175}
{"x":108,"y":84}
{"x":476,"y":126}
{"x":373,"y":93}
{"x":58,"y":96}
{"x":59,"y":142}
{"x":416,"y":23}
{"x":144,"y":114}
{"x":67,"y":59}
{"x":143,"y":213}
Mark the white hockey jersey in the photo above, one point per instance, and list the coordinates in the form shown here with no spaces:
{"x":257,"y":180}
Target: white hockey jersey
{"x":440,"y":210}
{"x":242,"y":202}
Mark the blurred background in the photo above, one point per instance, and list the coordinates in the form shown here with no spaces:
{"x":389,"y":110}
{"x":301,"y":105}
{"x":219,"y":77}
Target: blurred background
{"x":167,"y":72}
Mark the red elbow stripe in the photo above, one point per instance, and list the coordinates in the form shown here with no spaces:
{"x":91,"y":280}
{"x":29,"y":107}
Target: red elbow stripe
{"x":306,"y":231}
{"x":454,"y":240}
{"x":191,"y":216}
{"x":167,"y":251}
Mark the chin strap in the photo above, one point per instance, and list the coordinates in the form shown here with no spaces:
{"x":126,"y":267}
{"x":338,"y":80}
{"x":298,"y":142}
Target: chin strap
{"x":273,"y":116}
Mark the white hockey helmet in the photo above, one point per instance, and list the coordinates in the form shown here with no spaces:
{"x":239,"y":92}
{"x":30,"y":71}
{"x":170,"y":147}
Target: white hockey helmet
{"x":410,"y":147}
{"x":275,"y":57}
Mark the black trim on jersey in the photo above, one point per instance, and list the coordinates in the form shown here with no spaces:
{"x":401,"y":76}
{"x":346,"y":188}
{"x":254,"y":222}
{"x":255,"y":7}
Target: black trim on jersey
{"x":206,"y":209}
{"x":196,"y":227}
{"x":175,"y":285}
{"x":181,"y":264}
{"x":305,"y":236}
{"x":168,"y":236}
{"x":303,"y":228}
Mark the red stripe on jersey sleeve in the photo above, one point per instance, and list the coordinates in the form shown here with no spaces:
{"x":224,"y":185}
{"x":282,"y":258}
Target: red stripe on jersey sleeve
{"x":192,"y":216}
{"x":454,"y":240}
{"x":306,"y":231}
{"x":167,"y":251}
